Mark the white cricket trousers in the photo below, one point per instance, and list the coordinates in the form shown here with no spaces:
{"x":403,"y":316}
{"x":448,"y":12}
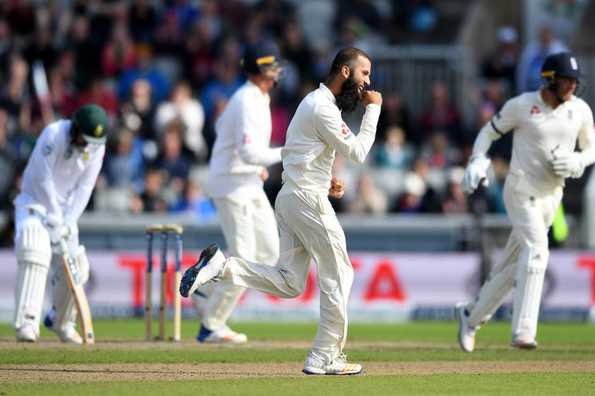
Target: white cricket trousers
{"x":250,"y":232}
{"x":308,"y":228}
{"x":525,"y":258}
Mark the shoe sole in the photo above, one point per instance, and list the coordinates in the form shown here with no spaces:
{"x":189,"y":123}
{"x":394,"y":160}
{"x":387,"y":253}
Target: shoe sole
{"x":325,"y":373}
{"x":526,"y":347}
{"x":191,"y":273}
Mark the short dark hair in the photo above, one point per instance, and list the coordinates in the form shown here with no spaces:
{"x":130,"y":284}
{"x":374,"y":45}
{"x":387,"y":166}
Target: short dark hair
{"x":345,"y":57}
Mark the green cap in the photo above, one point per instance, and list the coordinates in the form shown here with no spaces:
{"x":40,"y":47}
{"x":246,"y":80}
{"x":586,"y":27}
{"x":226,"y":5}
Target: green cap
{"x":91,"y":120}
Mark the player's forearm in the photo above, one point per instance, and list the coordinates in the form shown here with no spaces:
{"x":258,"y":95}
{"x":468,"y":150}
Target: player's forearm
{"x":253,"y":155}
{"x":484,"y":141}
{"x":588,"y":156}
{"x":367,"y":134}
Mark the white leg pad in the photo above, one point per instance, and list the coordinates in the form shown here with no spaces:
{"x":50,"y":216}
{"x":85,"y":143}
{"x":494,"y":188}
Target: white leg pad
{"x":33,"y":253}
{"x":63,"y":299}
{"x":527,"y":297}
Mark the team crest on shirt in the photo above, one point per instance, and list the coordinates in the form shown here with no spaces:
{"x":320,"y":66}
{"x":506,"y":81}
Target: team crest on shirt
{"x":68,"y":153}
{"x":345,"y":131}
{"x":535,"y":110}
{"x":247,"y":139}
{"x":47,"y":149}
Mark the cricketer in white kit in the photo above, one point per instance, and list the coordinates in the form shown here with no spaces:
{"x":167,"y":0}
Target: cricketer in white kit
{"x":237,"y":170}
{"x":57,"y":184}
{"x":308,"y":226}
{"x":547,"y":125}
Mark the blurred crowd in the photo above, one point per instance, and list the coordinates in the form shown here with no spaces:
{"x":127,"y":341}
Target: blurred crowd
{"x":163,"y":71}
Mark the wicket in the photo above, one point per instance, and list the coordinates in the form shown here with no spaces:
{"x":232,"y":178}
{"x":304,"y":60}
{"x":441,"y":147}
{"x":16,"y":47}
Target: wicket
{"x":164,"y":231}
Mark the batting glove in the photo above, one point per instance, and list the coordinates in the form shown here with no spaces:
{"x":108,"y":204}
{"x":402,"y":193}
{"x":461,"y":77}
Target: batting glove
{"x":568,"y":165}
{"x":475,"y":173}
{"x":59,"y":232}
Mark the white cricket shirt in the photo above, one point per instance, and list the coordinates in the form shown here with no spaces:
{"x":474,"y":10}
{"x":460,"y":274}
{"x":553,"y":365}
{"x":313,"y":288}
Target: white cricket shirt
{"x":241,"y":149}
{"x":315,"y":133}
{"x":540,"y":131}
{"x":58,"y":176}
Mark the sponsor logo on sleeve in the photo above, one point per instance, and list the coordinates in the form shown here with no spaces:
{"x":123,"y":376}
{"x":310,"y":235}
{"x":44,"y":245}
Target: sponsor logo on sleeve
{"x":535,"y":110}
{"x":47,"y":149}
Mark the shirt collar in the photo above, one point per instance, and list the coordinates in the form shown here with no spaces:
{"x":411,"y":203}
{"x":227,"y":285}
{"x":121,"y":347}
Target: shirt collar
{"x":253,"y":86}
{"x":327,"y":92}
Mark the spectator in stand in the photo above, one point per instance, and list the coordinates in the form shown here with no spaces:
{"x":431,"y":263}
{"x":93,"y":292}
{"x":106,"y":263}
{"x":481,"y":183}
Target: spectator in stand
{"x":138,"y":113}
{"x":7,"y":44}
{"x":442,"y":115}
{"x":118,"y":54}
{"x":173,"y":160}
{"x":88,"y":51}
{"x":160,"y":84}
{"x":227,"y":80}
{"x":124,"y":165}
{"x":297,"y":50}
{"x":195,"y":203}
{"x":395,"y":113}
{"x":99,"y":91}
{"x":198,"y":54}
{"x":438,"y":152}
{"x":502,"y":63}
{"x":62,"y":94}
{"x":142,"y":20}
{"x":15,"y":98}
{"x":169,"y":37}
{"x":369,"y":199}
{"x":152,"y":198}
{"x":528,"y":76}
{"x":184,"y":107}
{"x":8,"y":162}
{"x":41,"y":48}
{"x":412,"y":198}
{"x":455,"y":201}
{"x":394,"y":153}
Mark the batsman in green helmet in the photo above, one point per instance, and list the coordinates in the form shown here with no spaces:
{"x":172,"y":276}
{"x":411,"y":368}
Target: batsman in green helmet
{"x":57,"y":184}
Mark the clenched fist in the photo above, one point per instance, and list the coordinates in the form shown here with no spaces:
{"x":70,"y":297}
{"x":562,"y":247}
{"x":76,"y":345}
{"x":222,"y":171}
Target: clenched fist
{"x":337,"y":188}
{"x":373,"y":97}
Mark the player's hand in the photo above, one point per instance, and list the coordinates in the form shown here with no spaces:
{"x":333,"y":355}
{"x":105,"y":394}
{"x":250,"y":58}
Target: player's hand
{"x":264,"y":174}
{"x":59,"y":232}
{"x":568,"y":165}
{"x":371,"y":97}
{"x":475,"y":173}
{"x":337,"y":189}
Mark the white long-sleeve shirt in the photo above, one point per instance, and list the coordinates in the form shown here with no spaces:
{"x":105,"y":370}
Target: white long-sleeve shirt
{"x":59,"y":178}
{"x":241,"y":150}
{"x":315,"y":133}
{"x":539,"y":132}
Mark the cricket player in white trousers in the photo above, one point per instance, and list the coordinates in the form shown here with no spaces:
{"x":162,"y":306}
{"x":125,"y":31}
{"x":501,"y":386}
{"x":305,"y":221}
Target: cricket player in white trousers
{"x":57,"y":184}
{"x":308,"y":226}
{"x":236,"y":173}
{"x":547,"y":125}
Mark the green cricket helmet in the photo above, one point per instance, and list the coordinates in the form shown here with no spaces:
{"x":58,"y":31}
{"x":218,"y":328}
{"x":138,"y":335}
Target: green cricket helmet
{"x":91,"y":122}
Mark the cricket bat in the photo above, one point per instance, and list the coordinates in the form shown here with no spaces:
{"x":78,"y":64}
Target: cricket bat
{"x":80,"y":297}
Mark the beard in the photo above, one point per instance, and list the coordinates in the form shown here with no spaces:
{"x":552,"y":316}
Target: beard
{"x":349,"y":97}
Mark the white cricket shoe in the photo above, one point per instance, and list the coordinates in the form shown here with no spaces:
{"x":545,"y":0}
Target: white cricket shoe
{"x":208,"y":268}
{"x":224,"y":335}
{"x":26,"y":333}
{"x":69,"y":335}
{"x":466,"y":334}
{"x":523,"y":343}
{"x":339,"y":366}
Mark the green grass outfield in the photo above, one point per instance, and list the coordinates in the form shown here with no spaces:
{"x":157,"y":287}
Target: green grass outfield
{"x":414,"y":358}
